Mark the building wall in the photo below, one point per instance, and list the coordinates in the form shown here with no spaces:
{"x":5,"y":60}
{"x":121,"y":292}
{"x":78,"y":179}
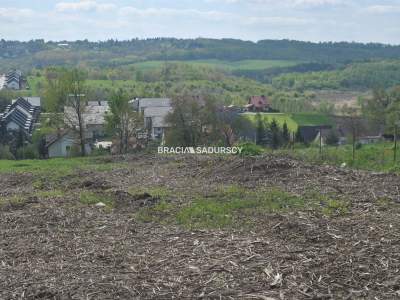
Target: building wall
{"x":13,"y":85}
{"x":60,"y":147}
{"x":12,"y":126}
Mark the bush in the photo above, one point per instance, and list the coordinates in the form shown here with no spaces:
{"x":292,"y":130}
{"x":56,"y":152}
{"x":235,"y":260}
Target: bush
{"x":250,"y":149}
{"x":28,"y":152}
{"x":5,"y":153}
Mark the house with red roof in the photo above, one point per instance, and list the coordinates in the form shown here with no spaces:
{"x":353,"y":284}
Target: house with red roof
{"x":258,"y":104}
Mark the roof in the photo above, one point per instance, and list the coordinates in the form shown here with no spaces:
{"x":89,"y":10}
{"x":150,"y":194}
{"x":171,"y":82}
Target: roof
{"x":365,"y":127}
{"x":22,"y":113}
{"x":93,"y":114}
{"x":259,"y":101}
{"x":309,"y":133}
{"x":53,"y":138}
{"x":141,"y":103}
{"x":34,"y":101}
{"x":157,"y":111}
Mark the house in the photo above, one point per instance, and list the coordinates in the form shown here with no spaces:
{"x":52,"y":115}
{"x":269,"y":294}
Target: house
{"x":65,"y":143}
{"x":155,"y":111}
{"x":23,"y":114}
{"x":2,"y":81}
{"x":310,"y":134}
{"x":367,"y":132}
{"x":93,"y":118}
{"x":13,"y":80}
{"x":258,"y":104}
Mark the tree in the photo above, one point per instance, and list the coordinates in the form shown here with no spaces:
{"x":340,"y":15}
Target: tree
{"x":285,"y":134}
{"x":123,"y":121}
{"x":353,"y":122}
{"x":298,"y":136}
{"x":376,"y":108}
{"x":192,"y":121}
{"x":276,"y":135}
{"x":393,"y":117}
{"x":74,"y":84}
{"x":260,"y":130}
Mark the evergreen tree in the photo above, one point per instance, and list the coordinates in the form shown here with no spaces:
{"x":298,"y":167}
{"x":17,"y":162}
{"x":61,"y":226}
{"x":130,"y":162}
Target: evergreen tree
{"x":298,"y":137}
{"x":285,"y":134}
{"x":276,"y":135}
{"x":260,"y":130}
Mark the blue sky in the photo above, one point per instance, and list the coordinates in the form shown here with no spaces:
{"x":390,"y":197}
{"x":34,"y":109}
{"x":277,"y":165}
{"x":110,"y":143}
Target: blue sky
{"x":310,"y":20}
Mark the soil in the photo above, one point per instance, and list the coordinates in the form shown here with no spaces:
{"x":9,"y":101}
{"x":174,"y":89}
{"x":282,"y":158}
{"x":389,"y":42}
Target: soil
{"x":52,"y":248}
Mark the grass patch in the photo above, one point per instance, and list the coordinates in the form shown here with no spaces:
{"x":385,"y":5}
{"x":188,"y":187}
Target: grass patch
{"x":229,"y":206}
{"x":14,"y":201}
{"x":56,"y":167}
{"x":156,"y":192}
{"x":232,"y":205}
{"x":327,"y":204}
{"x":372,"y":157}
{"x":163,"y":212}
{"x":91,"y":198}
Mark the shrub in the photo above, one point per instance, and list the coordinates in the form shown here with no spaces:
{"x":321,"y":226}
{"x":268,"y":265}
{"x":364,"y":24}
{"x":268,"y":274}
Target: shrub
{"x":5,"y":153}
{"x":250,"y":149}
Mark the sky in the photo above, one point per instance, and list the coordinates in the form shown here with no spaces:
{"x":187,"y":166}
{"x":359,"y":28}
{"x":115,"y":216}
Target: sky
{"x":308,"y":20}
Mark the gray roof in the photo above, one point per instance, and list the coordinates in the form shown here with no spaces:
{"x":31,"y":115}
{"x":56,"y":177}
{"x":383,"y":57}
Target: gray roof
{"x":142,"y":103}
{"x":22,"y":113}
{"x":93,"y":114}
{"x":34,"y":101}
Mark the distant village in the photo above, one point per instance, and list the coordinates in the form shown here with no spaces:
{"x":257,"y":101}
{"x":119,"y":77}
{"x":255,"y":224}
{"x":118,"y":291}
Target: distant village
{"x":23,"y":117}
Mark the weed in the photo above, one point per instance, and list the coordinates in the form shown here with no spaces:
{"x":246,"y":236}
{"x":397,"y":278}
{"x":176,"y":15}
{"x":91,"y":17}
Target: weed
{"x":229,"y":206}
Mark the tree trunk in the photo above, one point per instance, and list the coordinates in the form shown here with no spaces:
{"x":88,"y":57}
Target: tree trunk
{"x":81,"y":131}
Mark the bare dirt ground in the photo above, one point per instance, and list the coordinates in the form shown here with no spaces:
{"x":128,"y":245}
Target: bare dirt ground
{"x":53,"y":248}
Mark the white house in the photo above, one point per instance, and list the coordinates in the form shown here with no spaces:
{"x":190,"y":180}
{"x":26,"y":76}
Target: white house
{"x":64,"y":144}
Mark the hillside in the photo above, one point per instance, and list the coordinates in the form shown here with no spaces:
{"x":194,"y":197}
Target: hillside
{"x":139,"y":227}
{"x":283,"y":63}
{"x":366,"y":75}
{"x":135,"y":50}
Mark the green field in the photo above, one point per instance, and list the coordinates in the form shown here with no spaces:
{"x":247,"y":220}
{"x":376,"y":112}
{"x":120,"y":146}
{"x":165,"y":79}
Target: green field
{"x":294,"y":120}
{"x":373,"y":157}
{"x":249,"y":64}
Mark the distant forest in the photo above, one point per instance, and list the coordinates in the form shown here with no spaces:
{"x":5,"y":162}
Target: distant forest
{"x":189,"y":49}
{"x":281,"y":64}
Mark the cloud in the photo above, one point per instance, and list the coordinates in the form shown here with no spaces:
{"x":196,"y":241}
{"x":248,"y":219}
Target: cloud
{"x":383,"y":9}
{"x":293,"y":3}
{"x":84,"y":6}
{"x":12,"y":14}
{"x":170,"y":12}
